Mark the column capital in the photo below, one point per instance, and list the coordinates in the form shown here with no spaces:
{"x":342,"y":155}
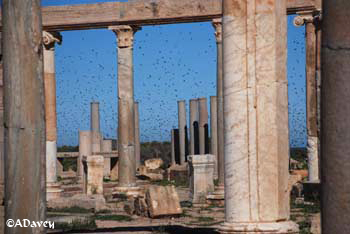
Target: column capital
{"x":304,"y":17}
{"x":125,"y":34}
{"x":217,"y":24}
{"x":50,"y":38}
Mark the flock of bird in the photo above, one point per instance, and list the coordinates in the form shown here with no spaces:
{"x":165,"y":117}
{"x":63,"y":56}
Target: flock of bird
{"x":171,"y":63}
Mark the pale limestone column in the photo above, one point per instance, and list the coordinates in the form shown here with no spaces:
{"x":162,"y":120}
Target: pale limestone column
{"x":106,"y":146}
{"x":217,"y":23}
{"x":49,"y":40}
{"x":203,"y":125}
{"x":85,"y":149}
{"x":95,"y":116}
{"x":214,"y":132}
{"x":137,"y":135}
{"x":182,"y":129}
{"x":256,"y":117}
{"x":173,"y":162}
{"x":194,"y":124}
{"x":307,"y":18}
{"x":126,"y":121}
{"x":335,"y":137}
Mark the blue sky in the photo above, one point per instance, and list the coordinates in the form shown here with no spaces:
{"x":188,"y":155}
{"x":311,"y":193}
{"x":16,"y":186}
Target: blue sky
{"x":171,"y":62}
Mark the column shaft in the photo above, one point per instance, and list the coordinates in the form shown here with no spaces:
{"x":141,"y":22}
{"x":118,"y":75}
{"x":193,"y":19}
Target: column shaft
{"x":95,"y":117}
{"x":182,"y":130}
{"x":256,"y":117}
{"x":85,"y":149}
{"x":24,"y":114}
{"x":137,"y":135}
{"x":203,"y":126}
{"x":194,"y":124}
{"x":311,"y":101}
{"x":214,"y":133}
{"x":335,"y":137}
{"x":173,"y":162}
{"x":106,"y":146}
{"x":126,"y":121}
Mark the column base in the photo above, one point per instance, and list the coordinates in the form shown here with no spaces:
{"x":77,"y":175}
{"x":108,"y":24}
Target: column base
{"x":53,"y":191}
{"x":285,"y":227}
{"x":217,"y":197}
{"x":128,"y":191}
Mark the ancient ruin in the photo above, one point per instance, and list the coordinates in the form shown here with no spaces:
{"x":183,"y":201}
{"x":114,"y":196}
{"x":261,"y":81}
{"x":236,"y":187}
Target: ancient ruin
{"x":229,"y":167}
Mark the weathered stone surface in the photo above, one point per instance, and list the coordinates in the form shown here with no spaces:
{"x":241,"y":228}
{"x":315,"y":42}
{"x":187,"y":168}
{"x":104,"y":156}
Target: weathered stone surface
{"x":316,"y":224}
{"x":201,"y":177}
{"x":106,"y":146}
{"x":95,"y":164}
{"x":256,"y":117}
{"x":95,"y":202}
{"x":153,"y":163}
{"x":182,"y":129}
{"x":163,"y":201}
{"x":153,"y":175}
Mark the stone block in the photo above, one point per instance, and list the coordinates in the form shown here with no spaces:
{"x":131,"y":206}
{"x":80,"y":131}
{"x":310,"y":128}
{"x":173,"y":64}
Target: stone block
{"x":153,"y":163}
{"x":94,"y":177}
{"x":201,"y":177}
{"x":90,"y":202}
{"x":163,"y":201}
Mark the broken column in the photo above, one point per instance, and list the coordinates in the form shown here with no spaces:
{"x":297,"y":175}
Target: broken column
{"x":49,"y":40}
{"x":106,"y":146}
{"x":85,"y":150}
{"x":202,"y":177}
{"x":194,"y":124}
{"x":182,"y":130}
{"x":203,"y":126}
{"x":307,"y":18}
{"x":214,"y":132}
{"x":94,"y":174}
{"x":137,"y":135}
{"x":95,"y":127}
{"x":24,"y":115}
{"x":173,"y":162}
{"x":256,"y":118}
{"x":335,"y":138}
{"x":126,"y":121}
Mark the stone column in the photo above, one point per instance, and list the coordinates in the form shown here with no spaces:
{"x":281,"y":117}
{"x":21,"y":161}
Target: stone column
{"x":307,"y":18}
{"x":95,"y":127}
{"x":173,"y":162}
{"x":85,"y":149}
{"x":2,"y":168}
{"x":94,"y":180}
{"x":256,"y":117}
{"x":203,"y":125}
{"x":126,"y":121}
{"x":49,"y":41}
{"x":182,"y":129}
{"x":24,"y":115}
{"x":106,"y":146}
{"x":335,"y":137}
{"x":95,"y":116}
{"x":217,"y":23}
{"x":194,"y":122}
{"x":137,"y":135}
{"x":214,"y":133}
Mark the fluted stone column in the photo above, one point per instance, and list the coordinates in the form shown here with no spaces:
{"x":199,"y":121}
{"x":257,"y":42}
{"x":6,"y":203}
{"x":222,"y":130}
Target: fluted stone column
{"x":214,"y":133}
{"x":182,"y":130}
{"x":126,"y":121}
{"x":173,"y":162}
{"x":49,"y":41}
{"x":106,"y":146}
{"x":194,"y":124}
{"x":85,"y":149}
{"x":307,"y":18}
{"x":217,"y":23}
{"x":203,"y":125}
{"x":335,"y":137}
{"x":256,"y":117}
{"x":137,"y":135}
